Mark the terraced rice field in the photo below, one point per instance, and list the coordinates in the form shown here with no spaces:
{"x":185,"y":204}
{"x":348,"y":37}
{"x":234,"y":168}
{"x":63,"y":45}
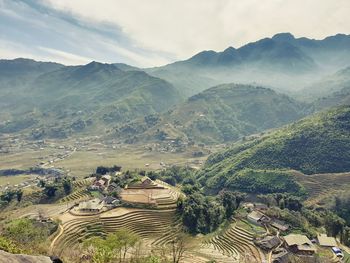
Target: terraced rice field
{"x":76,"y":196}
{"x":236,"y":243}
{"x":155,"y":227}
{"x":83,"y":183}
{"x":320,"y":186}
{"x":162,"y":198}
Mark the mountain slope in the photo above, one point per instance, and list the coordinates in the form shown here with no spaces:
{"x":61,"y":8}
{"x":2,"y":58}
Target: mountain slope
{"x":87,"y":98}
{"x":328,"y":89}
{"x":219,"y":114}
{"x":317,"y":144}
{"x":16,"y":75}
{"x":283,"y":61}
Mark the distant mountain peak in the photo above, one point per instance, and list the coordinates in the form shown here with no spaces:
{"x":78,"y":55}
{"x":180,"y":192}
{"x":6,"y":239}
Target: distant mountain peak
{"x":94,"y":65}
{"x":230,"y":49}
{"x":283,"y":37}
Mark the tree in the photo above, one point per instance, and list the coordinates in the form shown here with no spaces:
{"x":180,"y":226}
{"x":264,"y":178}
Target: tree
{"x":126,"y":241}
{"x":346,"y":236}
{"x":67,"y":186}
{"x":102,"y":170}
{"x":24,"y":231}
{"x":231,"y":201}
{"x":42,"y":183}
{"x":334,"y":224}
{"x":19,"y":195}
{"x":116,"y":245}
{"x":178,"y":248}
{"x":201,"y":214}
{"x":50,"y":190}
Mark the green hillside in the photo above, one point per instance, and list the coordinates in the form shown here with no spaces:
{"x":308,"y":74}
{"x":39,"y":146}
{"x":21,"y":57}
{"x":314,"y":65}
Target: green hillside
{"x":317,"y":144}
{"x":86,"y":99}
{"x":220,"y":114}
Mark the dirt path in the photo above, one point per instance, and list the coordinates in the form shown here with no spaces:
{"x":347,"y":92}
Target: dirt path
{"x":54,"y":240}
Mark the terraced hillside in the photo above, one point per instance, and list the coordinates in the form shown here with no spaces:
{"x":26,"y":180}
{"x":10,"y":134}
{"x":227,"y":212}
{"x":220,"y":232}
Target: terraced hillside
{"x":155,"y":227}
{"x":79,"y":195}
{"x":320,"y":186}
{"x":236,"y":243}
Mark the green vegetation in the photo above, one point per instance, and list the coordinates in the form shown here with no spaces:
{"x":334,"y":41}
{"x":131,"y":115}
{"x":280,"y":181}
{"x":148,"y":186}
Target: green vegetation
{"x":9,"y":246}
{"x":317,"y":144}
{"x":264,"y":181}
{"x":79,"y":99}
{"x":25,"y":234}
{"x":113,"y":247}
{"x":219,"y":114}
{"x":204,"y":214}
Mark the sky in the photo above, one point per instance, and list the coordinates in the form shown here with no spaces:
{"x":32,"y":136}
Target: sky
{"x":149,"y":33}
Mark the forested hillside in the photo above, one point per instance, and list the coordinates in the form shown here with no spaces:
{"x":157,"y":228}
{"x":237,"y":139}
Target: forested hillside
{"x":220,"y":114}
{"x":317,"y":144}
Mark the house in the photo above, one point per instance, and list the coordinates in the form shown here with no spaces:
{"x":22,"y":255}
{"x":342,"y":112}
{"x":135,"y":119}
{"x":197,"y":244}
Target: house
{"x":258,"y":206}
{"x":94,"y":206}
{"x":280,"y":255}
{"x":258,"y":218}
{"x":279,"y":225}
{"x":299,"y":244}
{"x":326,"y":241}
{"x":106,"y":178}
{"x":145,"y":181}
{"x":101,"y":184}
{"x":113,"y":187}
{"x":110,"y":201}
{"x":268,"y":242}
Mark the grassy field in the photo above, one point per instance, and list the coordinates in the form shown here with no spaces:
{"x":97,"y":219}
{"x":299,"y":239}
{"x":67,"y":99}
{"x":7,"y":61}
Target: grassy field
{"x":25,"y":158}
{"x":83,"y":162}
{"x":12,"y":180}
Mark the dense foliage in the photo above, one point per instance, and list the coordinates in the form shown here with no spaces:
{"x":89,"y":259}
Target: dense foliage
{"x":317,"y":144}
{"x":25,"y":233}
{"x":220,"y":114}
{"x":264,"y":181}
{"x":204,"y":214}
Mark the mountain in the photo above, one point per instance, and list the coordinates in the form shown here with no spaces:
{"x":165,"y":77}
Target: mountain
{"x":329,"y":91}
{"x":219,"y":114}
{"x":20,"y":70}
{"x":17,"y":74}
{"x":283,"y":61}
{"x":86,"y":98}
{"x":316,"y":144}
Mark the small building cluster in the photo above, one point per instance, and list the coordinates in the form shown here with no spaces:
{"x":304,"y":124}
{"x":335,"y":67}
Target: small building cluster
{"x":292,"y":244}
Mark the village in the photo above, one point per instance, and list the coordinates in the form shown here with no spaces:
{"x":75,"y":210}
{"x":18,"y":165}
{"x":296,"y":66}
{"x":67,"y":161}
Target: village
{"x":280,"y":241}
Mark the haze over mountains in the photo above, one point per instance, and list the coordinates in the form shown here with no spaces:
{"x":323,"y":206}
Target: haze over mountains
{"x":283,"y":62}
{"x":180,"y":100}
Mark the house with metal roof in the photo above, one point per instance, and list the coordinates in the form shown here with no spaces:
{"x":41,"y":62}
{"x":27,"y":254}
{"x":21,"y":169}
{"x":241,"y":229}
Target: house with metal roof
{"x":326,"y":241}
{"x":299,"y":244}
{"x":258,"y":218}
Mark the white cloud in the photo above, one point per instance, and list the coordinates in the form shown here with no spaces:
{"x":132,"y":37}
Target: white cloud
{"x":184,"y":27}
{"x":155,"y":32}
{"x":11,"y":50}
{"x":65,"y":57}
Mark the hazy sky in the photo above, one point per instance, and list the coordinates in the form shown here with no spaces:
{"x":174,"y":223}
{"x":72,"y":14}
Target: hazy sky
{"x":155,"y":32}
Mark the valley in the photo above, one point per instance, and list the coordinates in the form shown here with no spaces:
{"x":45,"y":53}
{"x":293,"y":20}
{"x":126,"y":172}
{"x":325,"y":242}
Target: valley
{"x":238,"y":156}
